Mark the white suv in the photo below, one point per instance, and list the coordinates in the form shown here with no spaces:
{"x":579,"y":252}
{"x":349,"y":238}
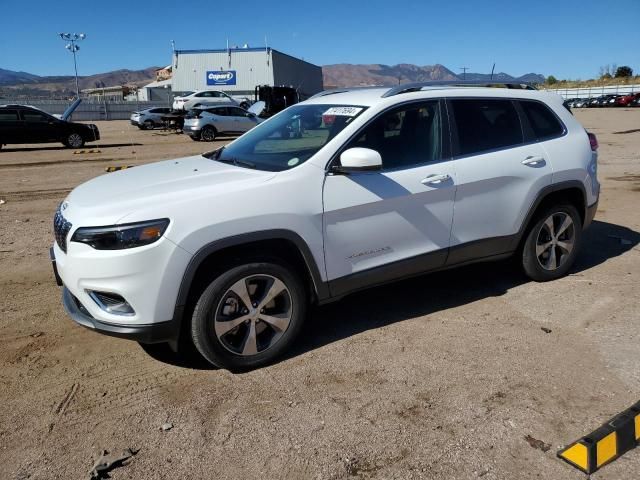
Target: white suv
{"x":207,"y":97}
{"x":349,"y":189}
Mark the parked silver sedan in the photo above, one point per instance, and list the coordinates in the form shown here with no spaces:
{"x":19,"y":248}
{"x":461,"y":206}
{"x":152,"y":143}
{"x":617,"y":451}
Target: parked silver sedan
{"x":149,"y":118}
{"x":207,"y":123}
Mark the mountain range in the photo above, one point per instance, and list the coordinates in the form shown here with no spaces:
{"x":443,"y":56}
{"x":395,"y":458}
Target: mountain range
{"x":23,"y":84}
{"x":350,"y":75}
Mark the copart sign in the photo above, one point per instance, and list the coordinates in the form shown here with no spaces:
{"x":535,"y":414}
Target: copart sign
{"x":227,"y":77}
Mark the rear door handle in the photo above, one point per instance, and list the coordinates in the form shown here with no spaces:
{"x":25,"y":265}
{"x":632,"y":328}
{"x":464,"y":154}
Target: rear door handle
{"x":435,"y":179}
{"x":534,"y":161}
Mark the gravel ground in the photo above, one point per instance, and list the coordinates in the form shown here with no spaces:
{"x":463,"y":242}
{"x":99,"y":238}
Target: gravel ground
{"x":442,"y":376}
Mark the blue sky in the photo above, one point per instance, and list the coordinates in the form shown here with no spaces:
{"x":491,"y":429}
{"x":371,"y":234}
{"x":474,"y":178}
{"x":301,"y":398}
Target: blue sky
{"x":564,"y":38}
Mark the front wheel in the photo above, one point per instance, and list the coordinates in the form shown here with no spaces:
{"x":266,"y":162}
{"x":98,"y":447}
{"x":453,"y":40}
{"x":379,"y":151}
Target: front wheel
{"x":249,"y":315}
{"x":149,"y":125}
{"x":552,"y":244}
{"x":74,"y":140}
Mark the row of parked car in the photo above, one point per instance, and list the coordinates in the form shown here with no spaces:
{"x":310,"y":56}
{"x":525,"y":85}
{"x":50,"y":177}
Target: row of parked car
{"x":628,"y":100}
{"x":203,"y":115}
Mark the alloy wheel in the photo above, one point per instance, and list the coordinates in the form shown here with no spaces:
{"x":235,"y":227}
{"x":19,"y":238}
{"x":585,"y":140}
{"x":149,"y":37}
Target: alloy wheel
{"x":253,"y":314}
{"x":75,"y":140}
{"x":208,"y":134}
{"x":555,"y":241}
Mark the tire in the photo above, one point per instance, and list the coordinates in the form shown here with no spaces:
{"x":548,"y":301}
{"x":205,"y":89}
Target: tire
{"x":223,"y":326}
{"x":149,"y":125}
{"x":74,"y":140}
{"x":551,"y":246}
{"x":208,"y":134}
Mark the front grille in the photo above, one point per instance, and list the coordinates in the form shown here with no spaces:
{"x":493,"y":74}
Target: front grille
{"x":61,"y":229}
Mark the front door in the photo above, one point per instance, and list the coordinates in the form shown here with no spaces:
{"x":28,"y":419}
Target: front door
{"x":395,"y":222}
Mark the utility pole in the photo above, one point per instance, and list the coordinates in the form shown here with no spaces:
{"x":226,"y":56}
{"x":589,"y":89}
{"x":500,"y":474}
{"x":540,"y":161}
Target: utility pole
{"x":464,"y":72}
{"x":72,"y":38}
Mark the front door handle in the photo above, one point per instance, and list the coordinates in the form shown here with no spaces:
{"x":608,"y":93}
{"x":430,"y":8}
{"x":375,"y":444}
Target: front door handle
{"x":436,"y":179}
{"x":534,"y":161}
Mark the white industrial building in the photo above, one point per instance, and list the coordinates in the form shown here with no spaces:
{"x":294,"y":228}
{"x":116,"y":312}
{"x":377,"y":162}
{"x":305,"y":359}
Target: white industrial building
{"x":238,"y":71}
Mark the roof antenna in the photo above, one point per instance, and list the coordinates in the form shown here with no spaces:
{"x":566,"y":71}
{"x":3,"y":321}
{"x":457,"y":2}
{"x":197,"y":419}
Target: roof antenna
{"x":492,"y":69}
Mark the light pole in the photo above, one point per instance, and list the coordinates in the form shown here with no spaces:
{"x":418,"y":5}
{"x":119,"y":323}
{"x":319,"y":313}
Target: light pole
{"x":72,"y":38}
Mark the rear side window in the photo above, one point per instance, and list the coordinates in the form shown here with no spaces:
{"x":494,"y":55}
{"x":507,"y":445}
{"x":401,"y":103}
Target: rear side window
{"x":8,"y":115}
{"x":543,"y":121}
{"x":222,"y":112}
{"x":486,"y":124}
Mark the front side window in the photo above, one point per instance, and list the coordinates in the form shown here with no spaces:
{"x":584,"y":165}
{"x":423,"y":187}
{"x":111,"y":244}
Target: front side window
{"x":34,"y":117}
{"x":486,"y":124}
{"x":290,"y":138}
{"x":544,"y":123}
{"x":406,"y":136}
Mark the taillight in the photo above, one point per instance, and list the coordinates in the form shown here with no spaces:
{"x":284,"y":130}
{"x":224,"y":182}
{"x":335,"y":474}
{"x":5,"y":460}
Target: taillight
{"x":593,"y":141}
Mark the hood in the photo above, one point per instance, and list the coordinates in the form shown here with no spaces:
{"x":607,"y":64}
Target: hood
{"x":70,"y":109}
{"x":257,"y":108}
{"x":111,"y":197}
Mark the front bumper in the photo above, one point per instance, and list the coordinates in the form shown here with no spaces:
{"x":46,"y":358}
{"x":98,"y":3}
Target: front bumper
{"x":590,"y":213}
{"x":154,"y":333}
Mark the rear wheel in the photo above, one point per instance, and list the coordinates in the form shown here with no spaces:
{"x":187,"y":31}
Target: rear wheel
{"x":552,"y":244}
{"x":208,"y":134}
{"x":249,"y":315}
{"x":74,"y":140}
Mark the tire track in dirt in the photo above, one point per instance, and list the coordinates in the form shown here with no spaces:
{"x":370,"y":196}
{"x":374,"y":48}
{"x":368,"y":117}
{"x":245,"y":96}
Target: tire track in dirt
{"x":44,"y":194}
{"x":62,"y":162}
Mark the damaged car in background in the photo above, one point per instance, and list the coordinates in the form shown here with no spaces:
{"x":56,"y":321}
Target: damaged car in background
{"x":26,"y":124}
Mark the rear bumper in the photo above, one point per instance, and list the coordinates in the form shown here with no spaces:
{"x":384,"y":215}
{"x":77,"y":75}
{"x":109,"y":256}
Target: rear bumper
{"x":154,"y":333}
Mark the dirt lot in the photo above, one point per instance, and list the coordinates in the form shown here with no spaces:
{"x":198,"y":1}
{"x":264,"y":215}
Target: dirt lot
{"x":438,"y":377}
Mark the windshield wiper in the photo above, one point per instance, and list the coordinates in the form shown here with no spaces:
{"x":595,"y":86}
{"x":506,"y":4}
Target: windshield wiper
{"x":237,"y":162}
{"x":215,"y":155}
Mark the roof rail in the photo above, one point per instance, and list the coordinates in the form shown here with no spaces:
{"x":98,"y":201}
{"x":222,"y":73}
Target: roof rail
{"x":416,"y":87}
{"x":324,"y":93}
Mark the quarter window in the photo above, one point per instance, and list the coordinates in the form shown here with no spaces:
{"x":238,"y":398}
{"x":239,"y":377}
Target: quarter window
{"x":543,"y":121}
{"x":485,"y":124}
{"x":406,"y":136}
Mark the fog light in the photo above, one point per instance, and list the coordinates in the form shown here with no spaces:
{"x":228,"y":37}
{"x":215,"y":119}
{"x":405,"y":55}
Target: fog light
{"x":111,"y":303}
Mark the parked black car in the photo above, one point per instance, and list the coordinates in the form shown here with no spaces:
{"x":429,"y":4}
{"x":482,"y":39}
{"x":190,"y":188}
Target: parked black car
{"x":24,"y":124}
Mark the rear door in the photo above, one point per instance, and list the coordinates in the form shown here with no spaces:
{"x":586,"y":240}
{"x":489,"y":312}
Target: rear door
{"x":499,"y":171}
{"x":222,"y":120}
{"x":243,"y":122}
{"x":11,"y":126}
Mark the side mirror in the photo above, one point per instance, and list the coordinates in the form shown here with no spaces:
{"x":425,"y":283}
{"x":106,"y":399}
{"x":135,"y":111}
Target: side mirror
{"x":359,"y":160}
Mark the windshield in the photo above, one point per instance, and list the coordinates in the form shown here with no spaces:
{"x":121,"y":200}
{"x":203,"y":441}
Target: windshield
{"x":290,"y":138}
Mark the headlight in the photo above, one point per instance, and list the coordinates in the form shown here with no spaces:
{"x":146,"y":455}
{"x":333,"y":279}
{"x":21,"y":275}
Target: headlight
{"x":118,"y":237}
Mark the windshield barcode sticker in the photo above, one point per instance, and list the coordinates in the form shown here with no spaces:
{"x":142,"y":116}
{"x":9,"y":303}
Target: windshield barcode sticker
{"x":343,"y":111}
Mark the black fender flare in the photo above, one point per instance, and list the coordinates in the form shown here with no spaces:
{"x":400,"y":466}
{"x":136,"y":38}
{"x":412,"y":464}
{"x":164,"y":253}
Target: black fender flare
{"x":320,"y":286}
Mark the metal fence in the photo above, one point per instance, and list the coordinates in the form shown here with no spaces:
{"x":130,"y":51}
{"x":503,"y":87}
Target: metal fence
{"x":590,"y":92}
{"x":90,"y":109}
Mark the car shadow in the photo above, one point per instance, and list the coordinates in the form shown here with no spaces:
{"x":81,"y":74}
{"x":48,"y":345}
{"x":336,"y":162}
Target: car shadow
{"x":427,"y":294}
{"x":62,"y":147}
